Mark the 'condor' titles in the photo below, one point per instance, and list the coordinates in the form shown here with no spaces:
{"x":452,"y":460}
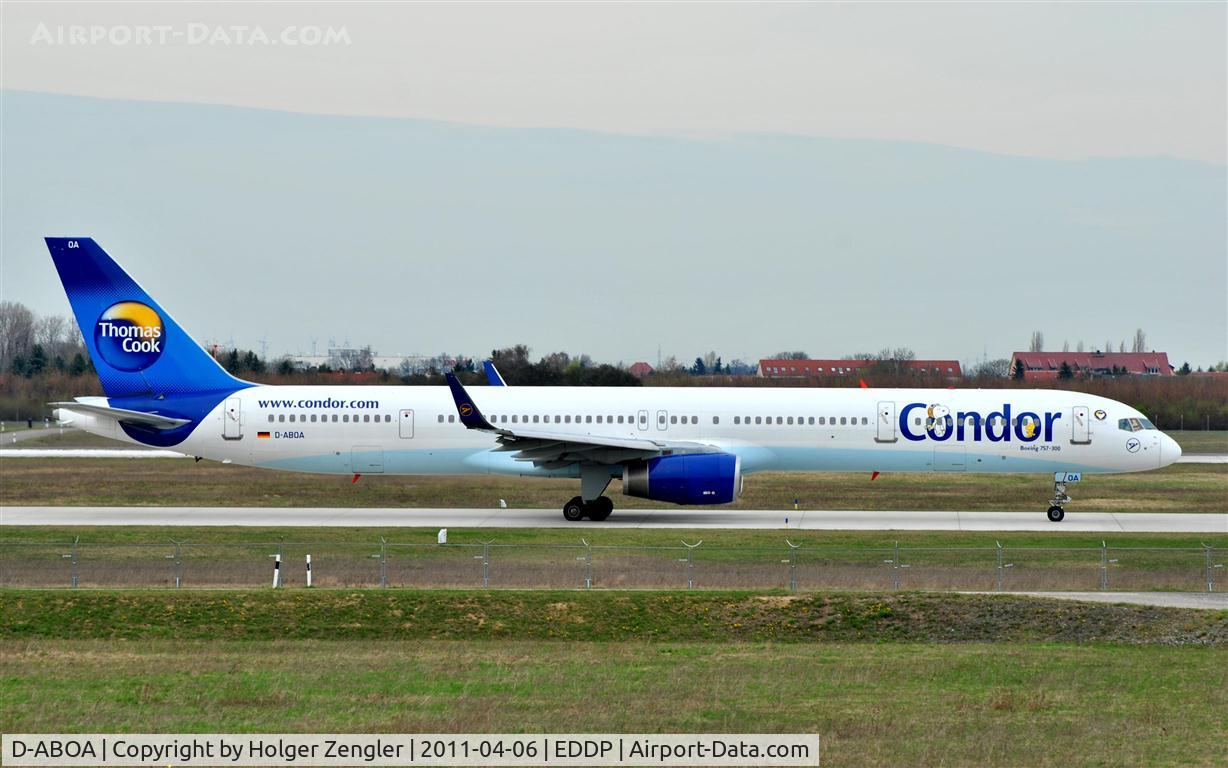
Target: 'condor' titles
{"x":997,"y":427}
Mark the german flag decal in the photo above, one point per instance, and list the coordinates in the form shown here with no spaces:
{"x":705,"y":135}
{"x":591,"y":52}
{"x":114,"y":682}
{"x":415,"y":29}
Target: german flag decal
{"x":262,"y":434}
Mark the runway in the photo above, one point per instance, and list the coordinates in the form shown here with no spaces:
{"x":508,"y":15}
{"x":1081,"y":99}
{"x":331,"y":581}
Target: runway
{"x":1085,"y":522}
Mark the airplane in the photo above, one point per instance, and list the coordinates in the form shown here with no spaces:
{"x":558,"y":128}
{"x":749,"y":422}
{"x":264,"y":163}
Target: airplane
{"x":682,"y":445}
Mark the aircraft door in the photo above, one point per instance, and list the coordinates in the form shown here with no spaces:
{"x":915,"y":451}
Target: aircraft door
{"x":642,"y":420}
{"x":407,"y":423}
{"x":1082,"y":428}
{"x":886,"y":423}
{"x":232,"y":419}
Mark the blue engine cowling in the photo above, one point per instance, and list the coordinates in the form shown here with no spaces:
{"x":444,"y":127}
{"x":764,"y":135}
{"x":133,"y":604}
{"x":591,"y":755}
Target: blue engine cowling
{"x":689,"y":478}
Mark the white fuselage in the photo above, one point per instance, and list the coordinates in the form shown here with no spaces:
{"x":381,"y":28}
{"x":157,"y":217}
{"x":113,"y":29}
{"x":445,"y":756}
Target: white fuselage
{"x":415,"y":430}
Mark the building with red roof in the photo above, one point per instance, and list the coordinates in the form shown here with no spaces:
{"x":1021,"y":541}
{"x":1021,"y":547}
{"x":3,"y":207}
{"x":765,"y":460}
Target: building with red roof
{"x":787,"y":369}
{"x":1047,"y":365}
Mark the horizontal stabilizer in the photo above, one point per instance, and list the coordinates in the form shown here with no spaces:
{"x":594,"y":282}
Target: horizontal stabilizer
{"x":124,"y":416}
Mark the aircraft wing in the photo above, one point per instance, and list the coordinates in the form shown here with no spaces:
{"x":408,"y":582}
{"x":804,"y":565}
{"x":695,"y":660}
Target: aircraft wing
{"x":123,"y":415}
{"x":554,"y":450}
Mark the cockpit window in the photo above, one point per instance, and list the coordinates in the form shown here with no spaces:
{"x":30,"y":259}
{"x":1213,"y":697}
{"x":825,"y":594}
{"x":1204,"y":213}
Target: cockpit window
{"x":1147,"y":424}
{"x":1131,"y":425}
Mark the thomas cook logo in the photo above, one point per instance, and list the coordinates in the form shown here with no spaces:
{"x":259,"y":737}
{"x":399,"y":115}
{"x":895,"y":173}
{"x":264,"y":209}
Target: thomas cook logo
{"x":130,"y":336}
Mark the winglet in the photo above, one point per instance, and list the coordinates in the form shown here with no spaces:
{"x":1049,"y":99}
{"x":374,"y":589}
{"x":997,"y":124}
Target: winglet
{"x":493,"y":377}
{"x":469,"y":414}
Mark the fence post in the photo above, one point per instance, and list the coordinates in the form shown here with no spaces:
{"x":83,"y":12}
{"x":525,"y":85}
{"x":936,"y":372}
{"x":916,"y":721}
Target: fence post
{"x":1210,"y":567}
{"x":485,"y":558}
{"x":177,"y":563}
{"x":383,"y":562}
{"x":486,"y":565}
{"x":308,"y":571}
{"x":588,"y":564}
{"x":72,"y":563}
{"x":999,"y":565}
{"x":690,"y":563}
{"x":792,"y":565}
{"x":1104,"y":565}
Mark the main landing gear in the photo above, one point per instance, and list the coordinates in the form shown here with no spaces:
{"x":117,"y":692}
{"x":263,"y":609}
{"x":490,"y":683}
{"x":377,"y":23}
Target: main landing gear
{"x":1056,"y":511}
{"x":598,"y":509}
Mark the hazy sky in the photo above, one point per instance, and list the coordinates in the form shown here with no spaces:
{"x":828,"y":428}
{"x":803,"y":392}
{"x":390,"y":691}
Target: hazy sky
{"x":741,"y":178}
{"x":1059,"y":80}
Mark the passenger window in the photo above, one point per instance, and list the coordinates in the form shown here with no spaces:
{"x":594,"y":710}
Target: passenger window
{"x":387,"y":418}
{"x":535,"y":419}
{"x":335,"y":418}
{"x":303,"y":418}
{"x":588,"y":419}
{"x":864,"y":421}
{"x":758,"y":419}
{"x":366,"y":417}
{"x":558,"y":419}
{"x":737,"y":419}
{"x":694,"y":419}
{"x":270,"y":418}
{"x":661,"y":420}
{"x":916,"y":422}
{"x":822,"y":421}
{"x":673,"y":419}
{"x":780,"y":420}
{"x":292,"y":417}
{"x":567,"y":418}
{"x":620,"y":419}
{"x":313,"y":418}
{"x":451,"y":418}
{"x":281,"y":417}
{"x":790,"y":420}
{"x":346,"y":418}
{"x":811,"y":421}
{"x":599,"y":419}
{"x":441,"y":418}
{"x":514,"y":419}
{"x":716,"y":419}
{"x":843,"y":421}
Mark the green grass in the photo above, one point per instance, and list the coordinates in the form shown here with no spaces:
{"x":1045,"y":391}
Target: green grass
{"x":872,"y":704}
{"x":1194,"y":441}
{"x":165,"y":482}
{"x":577,"y":615}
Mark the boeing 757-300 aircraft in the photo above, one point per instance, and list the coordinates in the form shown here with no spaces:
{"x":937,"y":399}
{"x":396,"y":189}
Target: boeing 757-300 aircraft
{"x":680,"y":445}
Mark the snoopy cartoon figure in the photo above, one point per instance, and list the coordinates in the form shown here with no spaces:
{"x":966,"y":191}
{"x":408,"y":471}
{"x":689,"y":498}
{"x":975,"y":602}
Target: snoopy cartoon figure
{"x":936,"y":420}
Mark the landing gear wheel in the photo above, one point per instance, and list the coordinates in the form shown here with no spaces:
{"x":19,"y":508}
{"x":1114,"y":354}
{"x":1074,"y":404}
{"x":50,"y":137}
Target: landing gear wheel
{"x":574,"y":510}
{"x":600,"y":508}
{"x":1056,"y":514}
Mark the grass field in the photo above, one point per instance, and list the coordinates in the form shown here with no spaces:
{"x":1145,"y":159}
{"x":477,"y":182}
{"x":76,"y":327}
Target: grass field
{"x":175,"y":482}
{"x":1008,"y":681}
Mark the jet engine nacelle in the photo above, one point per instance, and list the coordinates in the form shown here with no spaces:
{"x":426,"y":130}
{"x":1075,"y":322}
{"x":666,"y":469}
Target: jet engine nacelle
{"x":689,"y":478}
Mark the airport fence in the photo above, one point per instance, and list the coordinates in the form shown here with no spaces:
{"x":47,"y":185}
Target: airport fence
{"x":387,"y":564}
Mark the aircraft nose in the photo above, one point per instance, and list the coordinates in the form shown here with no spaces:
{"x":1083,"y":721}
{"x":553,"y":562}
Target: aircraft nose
{"x":1170,"y":451}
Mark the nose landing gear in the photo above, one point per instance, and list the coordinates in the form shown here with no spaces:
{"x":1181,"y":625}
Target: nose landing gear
{"x":1060,"y":498}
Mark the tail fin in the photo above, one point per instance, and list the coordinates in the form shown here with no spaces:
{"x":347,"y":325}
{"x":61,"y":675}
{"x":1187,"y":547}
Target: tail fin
{"x":136,"y":347}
